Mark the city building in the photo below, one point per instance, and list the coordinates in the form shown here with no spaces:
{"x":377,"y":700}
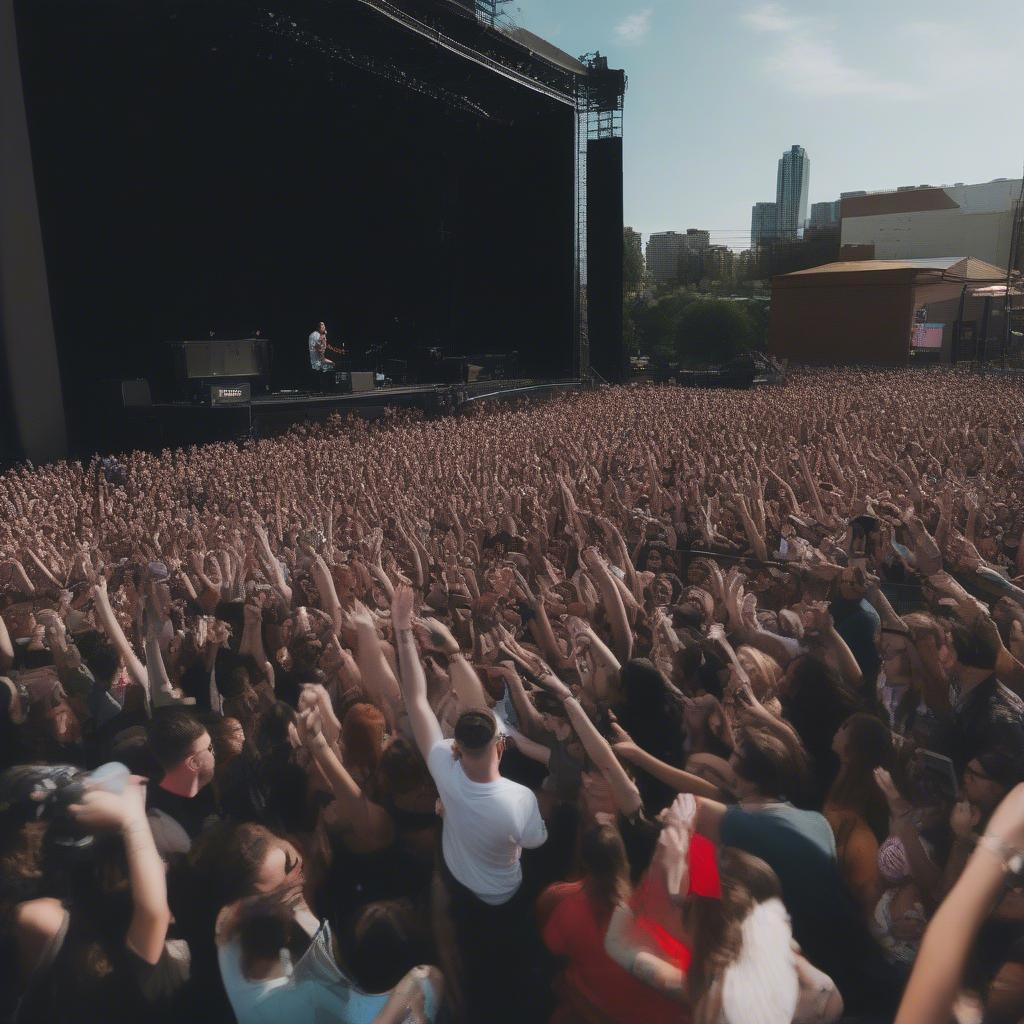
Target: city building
{"x":824,"y":215}
{"x":923,"y":221}
{"x":791,"y":186}
{"x":664,"y":249}
{"x":719,"y":262}
{"x":697,"y":240}
{"x":674,"y":256}
{"x":762,"y":224}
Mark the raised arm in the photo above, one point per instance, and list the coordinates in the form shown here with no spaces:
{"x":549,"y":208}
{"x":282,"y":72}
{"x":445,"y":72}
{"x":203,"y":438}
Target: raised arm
{"x":627,"y":796}
{"x":614,"y":607}
{"x":529,"y":717}
{"x":620,"y":942}
{"x":110,"y":626}
{"x":681,"y":781}
{"x":371,"y":822}
{"x":465,"y":682}
{"x":269,"y":563}
{"x":151,"y":916}
{"x":374,"y":668}
{"x":425,"y":727}
{"x":328,"y":594}
{"x":251,"y":643}
{"x":940,"y":962}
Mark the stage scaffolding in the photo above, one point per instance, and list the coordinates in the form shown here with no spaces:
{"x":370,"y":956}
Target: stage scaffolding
{"x":599,"y":100}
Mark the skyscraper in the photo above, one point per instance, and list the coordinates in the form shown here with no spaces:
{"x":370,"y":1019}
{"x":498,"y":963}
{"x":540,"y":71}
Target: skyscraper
{"x":791,"y":191}
{"x":762,"y":224}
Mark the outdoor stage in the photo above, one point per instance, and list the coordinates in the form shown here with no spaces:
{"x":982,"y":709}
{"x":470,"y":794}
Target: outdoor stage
{"x":172,"y":424}
{"x":419,"y":178}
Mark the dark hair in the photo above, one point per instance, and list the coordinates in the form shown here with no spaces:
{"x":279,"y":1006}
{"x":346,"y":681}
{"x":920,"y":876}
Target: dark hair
{"x":101,"y":657}
{"x":870,"y":747}
{"x":401,"y":770}
{"x":264,"y":926}
{"x":264,"y":929}
{"x":171,"y":733}
{"x":548,"y":704}
{"x":383,"y":944}
{"x":606,"y":868}
{"x":233,"y":613}
{"x":1003,"y":758}
{"x":766,"y":761}
{"x":975,"y":648}
{"x":475,"y":729}
{"x":649,"y":705}
{"x":816,"y":703}
{"x":238,"y":855}
{"x":305,"y":652}
{"x":272,"y":730}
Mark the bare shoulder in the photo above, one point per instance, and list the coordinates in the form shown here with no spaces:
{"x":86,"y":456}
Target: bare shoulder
{"x":41,"y":918}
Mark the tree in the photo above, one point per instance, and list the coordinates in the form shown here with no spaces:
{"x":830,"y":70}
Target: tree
{"x":632,"y":262}
{"x":656,"y":322}
{"x":712,"y":331}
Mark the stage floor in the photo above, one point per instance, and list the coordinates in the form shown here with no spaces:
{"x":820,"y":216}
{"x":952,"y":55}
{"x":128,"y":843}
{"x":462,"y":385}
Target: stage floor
{"x":174,"y":424}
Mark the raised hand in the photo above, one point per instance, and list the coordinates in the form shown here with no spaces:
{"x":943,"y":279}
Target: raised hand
{"x":435,"y":636}
{"x":401,"y":607}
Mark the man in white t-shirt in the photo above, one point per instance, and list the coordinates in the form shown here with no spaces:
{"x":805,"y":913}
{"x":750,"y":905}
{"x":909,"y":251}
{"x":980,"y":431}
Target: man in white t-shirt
{"x":488,"y":821}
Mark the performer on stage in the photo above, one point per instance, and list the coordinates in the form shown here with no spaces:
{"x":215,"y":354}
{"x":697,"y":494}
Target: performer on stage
{"x":318,"y":349}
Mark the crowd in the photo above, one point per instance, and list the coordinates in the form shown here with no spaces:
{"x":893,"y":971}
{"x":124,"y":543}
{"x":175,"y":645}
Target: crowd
{"x":592,"y":710}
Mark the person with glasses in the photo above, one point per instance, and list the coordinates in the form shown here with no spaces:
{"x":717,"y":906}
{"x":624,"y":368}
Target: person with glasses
{"x":181,"y":746}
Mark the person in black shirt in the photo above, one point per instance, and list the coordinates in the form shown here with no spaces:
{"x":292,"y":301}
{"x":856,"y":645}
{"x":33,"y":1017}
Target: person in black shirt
{"x":983,"y":708}
{"x":183,"y":748}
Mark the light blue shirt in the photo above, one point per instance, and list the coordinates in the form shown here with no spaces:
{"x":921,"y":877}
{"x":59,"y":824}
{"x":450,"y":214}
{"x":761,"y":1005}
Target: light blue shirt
{"x":315,"y":991}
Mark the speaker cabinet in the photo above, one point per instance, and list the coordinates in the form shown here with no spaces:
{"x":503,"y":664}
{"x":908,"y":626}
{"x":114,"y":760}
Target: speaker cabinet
{"x":135,"y":394}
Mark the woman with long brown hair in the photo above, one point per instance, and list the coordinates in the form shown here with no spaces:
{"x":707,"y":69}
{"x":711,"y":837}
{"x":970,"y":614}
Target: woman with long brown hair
{"x":592,"y":988}
{"x":855,"y":806}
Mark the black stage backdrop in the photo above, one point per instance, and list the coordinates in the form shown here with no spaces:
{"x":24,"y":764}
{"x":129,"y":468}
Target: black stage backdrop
{"x":220,"y":167}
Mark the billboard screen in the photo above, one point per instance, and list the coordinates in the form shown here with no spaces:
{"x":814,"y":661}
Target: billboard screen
{"x":927,"y":336}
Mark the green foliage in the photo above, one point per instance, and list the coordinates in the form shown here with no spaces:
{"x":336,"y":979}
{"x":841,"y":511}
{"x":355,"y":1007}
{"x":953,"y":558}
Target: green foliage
{"x":654,"y":323}
{"x":712,"y":331}
{"x":632,"y":263}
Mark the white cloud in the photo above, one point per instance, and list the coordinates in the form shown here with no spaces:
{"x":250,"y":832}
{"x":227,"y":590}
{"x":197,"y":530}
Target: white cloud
{"x":635,"y":27}
{"x":804,"y":60}
{"x":769,"y":18}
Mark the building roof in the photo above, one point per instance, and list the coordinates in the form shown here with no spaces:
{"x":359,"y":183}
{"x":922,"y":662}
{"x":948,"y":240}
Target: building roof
{"x":952,"y":268}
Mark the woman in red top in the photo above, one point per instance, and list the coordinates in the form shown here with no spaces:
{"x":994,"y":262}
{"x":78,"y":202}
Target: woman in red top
{"x":593,"y":989}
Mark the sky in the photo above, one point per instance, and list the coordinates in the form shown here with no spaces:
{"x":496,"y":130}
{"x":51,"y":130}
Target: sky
{"x":880,"y":93}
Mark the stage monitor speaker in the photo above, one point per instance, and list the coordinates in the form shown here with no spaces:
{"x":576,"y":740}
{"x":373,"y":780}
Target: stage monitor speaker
{"x":230,"y":394}
{"x":135,"y":393}
{"x":363,"y":380}
{"x":213,"y":358}
{"x":397,"y":370}
{"x":453,"y":370}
